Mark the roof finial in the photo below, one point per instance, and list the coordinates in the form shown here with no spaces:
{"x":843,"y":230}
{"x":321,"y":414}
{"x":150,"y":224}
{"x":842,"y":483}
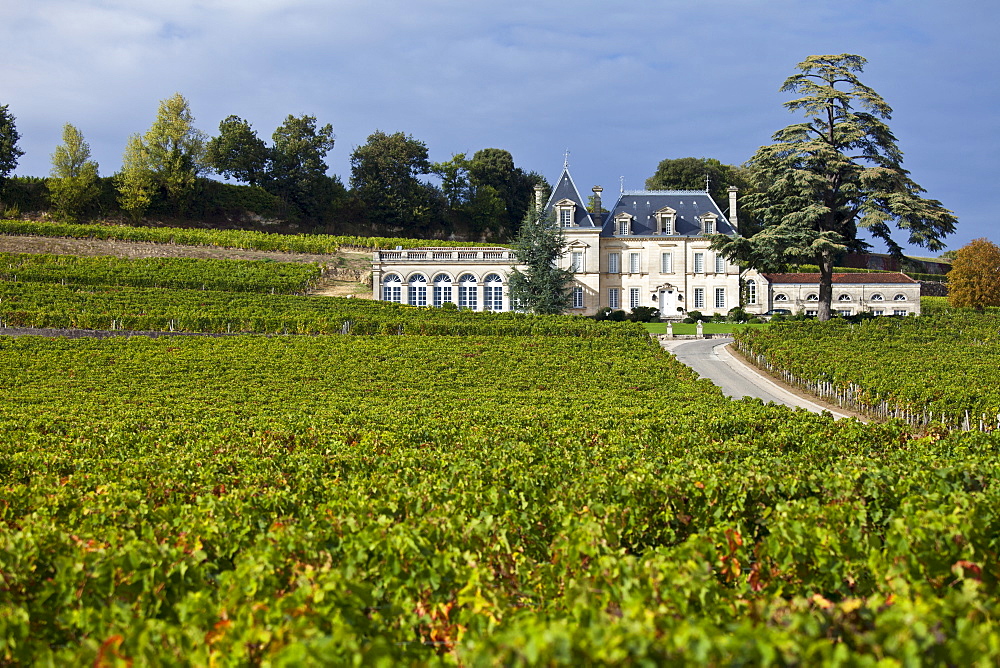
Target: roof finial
{"x":621,"y":181}
{"x":566,"y":159}
{"x":706,"y":182}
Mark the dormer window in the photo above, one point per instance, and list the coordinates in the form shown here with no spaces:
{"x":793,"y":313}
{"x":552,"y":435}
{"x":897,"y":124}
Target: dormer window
{"x":708,"y":223}
{"x":623,"y":225}
{"x":665,"y":219}
{"x":566,"y":212}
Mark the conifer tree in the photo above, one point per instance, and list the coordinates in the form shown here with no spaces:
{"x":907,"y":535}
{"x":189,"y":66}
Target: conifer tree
{"x":542,"y":288}
{"x":824,"y":178}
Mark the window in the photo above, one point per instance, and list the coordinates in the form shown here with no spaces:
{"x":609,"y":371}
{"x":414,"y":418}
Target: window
{"x":844,"y":298}
{"x":442,"y":289}
{"x":392,"y":287}
{"x":781,"y":297}
{"x":899,"y":311}
{"x":812,"y":312}
{"x":566,"y":217}
{"x":633,"y":298}
{"x":699,"y":263}
{"x":665,"y":220}
{"x":899,"y":298}
{"x":417,"y":290}
{"x":624,"y":226}
{"x":720,"y":264}
{"x":699,"y":297}
{"x":614,"y":263}
{"x":666,"y":263}
{"x":751,"y":291}
{"x":708,"y":224}
{"x":577,"y":297}
{"x":877,"y":297}
{"x":720,"y":298}
{"x":812,"y":297}
{"x":613,"y":298}
{"x":633,"y":263}
{"x":878,"y":312}
{"x":468,"y":292}
{"x":844,"y":311}
{"x":577,"y":266}
{"x":493,"y":293}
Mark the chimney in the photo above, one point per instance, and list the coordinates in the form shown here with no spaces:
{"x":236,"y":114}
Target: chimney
{"x":732,"y":208}
{"x":598,"y":212}
{"x":539,"y":190}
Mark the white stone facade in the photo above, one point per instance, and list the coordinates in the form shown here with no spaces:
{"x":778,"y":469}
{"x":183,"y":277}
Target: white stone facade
{"x":854,"y":293}
{"x":651,"y":250}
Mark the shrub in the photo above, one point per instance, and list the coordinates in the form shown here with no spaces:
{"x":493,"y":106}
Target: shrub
{"x":644,"y":314}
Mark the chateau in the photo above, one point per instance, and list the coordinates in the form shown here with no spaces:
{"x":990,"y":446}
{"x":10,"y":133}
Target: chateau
{"x":650,"y":249}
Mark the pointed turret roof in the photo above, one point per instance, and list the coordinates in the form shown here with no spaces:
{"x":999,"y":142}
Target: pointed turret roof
{"x":565,"y":189}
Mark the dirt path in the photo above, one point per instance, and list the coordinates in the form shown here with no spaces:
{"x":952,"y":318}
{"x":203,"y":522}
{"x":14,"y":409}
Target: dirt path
{"x":713,"y":359}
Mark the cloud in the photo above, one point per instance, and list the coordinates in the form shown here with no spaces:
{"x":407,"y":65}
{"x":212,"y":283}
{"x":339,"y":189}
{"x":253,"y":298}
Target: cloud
{"x":624,"y":84}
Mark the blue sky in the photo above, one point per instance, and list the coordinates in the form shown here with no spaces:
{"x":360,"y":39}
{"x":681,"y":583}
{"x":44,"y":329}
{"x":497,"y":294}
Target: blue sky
{"x":622,"y":85}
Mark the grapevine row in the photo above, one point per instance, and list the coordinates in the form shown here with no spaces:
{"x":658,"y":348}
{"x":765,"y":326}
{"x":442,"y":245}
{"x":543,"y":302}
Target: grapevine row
{"x":469,"y":501}
{"x":937,"y":368}
{"x":320,"y":244}
{"x":180,"y":273}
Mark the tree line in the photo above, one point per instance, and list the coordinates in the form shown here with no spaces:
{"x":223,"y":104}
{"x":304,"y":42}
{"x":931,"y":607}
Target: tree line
{"x":806,"y":196}
{"x":167,"y":173}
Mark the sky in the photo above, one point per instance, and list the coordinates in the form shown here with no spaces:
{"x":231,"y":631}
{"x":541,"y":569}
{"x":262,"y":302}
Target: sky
{"x":620,"y":85}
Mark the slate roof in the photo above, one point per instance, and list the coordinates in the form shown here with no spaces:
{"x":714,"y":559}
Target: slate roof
{"x":689,"y":204}
{"x":566,"y":189}
{"x":842,"y":279}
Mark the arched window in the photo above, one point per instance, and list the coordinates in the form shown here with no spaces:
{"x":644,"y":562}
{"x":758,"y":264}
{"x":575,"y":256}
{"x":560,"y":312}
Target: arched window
{"x":812,"y":297}
{"x":418,"y":290}
{"x":899,"y":298}
{"x":392,"y":288}
{"x":751,"y":291}
{"x":442,"y":289}
{"x":844,"y":298}
{"x":781,"y":297}
{"x":493,"y":293}
{"x":468,"y":292}
{"x":877,"y":297}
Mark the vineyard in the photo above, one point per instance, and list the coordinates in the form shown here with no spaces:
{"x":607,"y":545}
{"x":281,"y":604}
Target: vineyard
{"x":937,"y":368}
{"x":175,"y":273}
{"x":245,"y":239}
{"x":477,"y":500}
{"x":439,"y":487}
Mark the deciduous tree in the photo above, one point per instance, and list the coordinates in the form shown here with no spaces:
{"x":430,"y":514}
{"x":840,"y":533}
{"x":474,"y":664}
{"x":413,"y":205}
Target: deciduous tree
{"x":825,"y":177}
{"x":384,"y":175}
{"x":542,"y":287}
{"x":238,"y":153}
{"x":9,"y":151}
{"x":175,"y":149}
{"x":974,"y":279}
{"x":693,"y":173}
{"x":165,"y":161}
{"x":73,"y":185}
{"x":298,"y":169}
{"x":134,"y":181}
{"x":487,"y":192}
